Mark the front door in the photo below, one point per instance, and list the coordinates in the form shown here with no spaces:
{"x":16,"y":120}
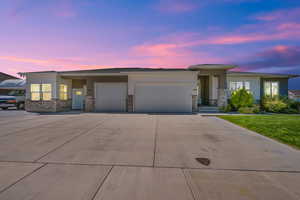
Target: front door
{"x":204,"y":90}
{"x":77,"y":99}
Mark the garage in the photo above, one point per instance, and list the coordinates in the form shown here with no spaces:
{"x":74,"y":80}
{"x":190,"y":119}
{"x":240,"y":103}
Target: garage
{"x":163,"y":97}
{"x":110,"y":97}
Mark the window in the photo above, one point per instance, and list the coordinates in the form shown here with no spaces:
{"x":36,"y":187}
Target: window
{"x":247,"y":85}
{"x":41,"y":92}
{"x":35,"y":92}
{"x":79,"y":93}
{"x":236,"y":85}
{"x":46,"y":92}
{"x":63,"y":92}
{"x":271,"y":88}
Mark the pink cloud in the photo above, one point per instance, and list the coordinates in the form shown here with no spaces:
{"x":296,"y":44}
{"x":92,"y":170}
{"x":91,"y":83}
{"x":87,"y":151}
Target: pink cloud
{"x":177,"y":6}
{"x":281,"y":48}
{"x":53,"y":64}
{"x":280,"y":58}
{"x":174,"y":52}
{"x":287,"y":14}
{"x":279,"y":25}
{"x":251,"y":37}
{"x":156,"y":49}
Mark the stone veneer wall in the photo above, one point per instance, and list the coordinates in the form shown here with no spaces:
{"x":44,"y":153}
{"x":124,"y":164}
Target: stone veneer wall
{"x":89,"y":104}
{"x":222,"y":97}
{"x":63,"y":105}
{"x":48,"y":106}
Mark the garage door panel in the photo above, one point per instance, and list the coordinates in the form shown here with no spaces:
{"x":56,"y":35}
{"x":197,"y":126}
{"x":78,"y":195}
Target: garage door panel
{"x":110,"y":97}
{"x":163,"y":98}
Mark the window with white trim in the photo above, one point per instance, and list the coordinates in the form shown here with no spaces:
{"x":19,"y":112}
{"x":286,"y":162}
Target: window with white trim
{"x":35,"y":90}
{"x":46,"y":92}
{"x":271,"y":88}
{"x":236,"y":85}
{"x":63,"y":92}
{"x":41,"y":92}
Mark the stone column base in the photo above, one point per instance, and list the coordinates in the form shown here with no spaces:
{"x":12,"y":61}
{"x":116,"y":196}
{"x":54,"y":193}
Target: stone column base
{"x":194,"y":103}
{"x":222,"y":98}
{"x":130,"y":103}
{"x":89,"y":104}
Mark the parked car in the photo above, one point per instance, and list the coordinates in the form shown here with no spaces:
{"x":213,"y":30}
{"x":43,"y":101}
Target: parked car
{"x":15,"y":98}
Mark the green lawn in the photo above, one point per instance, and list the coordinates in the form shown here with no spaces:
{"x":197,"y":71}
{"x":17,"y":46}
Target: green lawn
{"x":283,"y":128}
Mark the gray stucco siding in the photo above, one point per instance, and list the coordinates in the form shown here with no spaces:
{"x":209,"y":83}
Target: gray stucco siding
{"x":255,"y":83}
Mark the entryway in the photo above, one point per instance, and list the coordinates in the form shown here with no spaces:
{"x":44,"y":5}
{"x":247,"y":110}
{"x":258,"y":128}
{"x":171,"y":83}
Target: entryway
{"x":203,"y":87}
{"x":77,"y":99}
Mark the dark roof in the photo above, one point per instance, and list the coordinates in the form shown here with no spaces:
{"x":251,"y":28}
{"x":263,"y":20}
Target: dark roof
{"x":264,"y":74}
{"x":4,"y":76}
{"x":118,"y":70}
{"x":211,"y":66}
{"x":13,"y":84}
{"x":114,"y":70}
{"x":295,"y":92}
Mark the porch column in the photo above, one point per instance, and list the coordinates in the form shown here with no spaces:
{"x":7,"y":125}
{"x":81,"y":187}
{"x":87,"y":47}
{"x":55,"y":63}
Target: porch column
{"x":222,"y":91}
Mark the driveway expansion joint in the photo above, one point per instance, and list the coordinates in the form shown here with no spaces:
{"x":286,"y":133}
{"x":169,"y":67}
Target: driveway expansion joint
{"x":20,"y":179}
{"x":84,"y":132}
{"x":158,"y":167}
{"x":188,"y":183}
{"x":155,"y":139}
{"x":102,"y":183}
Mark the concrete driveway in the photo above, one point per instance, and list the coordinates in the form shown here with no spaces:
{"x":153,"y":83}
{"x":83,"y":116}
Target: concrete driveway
{"x":139,"y":156}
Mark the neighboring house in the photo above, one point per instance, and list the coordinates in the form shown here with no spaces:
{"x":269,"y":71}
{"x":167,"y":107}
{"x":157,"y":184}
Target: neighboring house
{"x":145,"y":89}
{"x":294,"y":94}
{"x":4,"y":77}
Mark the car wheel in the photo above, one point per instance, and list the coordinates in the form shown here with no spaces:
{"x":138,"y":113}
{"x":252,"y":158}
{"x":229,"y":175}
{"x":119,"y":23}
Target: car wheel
{"x":4,"y":108}
{"x":20,"y":106}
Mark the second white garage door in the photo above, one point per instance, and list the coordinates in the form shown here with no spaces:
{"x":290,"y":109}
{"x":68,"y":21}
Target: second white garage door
{"x":163,"y":97}
{"x":110,"y":97}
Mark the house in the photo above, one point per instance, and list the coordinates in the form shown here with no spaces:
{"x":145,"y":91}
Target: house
{"x":145,"y":89}
{"x":4,"y":77}
{"x":294,"y":94}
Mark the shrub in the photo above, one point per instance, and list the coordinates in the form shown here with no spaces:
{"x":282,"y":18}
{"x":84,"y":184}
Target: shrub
{"x":246,"y":110}
{"x":281,"y":105}
{"x":256,"y":109}
{"x":275,"y":105}
{"x":249,"y":110}
{"x":227,"y":108}
{"x":294,"y":105}
{"x":291,"y":111}
{"x":241,"y":98}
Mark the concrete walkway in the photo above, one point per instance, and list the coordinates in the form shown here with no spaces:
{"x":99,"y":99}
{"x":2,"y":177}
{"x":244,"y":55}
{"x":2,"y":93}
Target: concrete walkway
{"x":140,"y":157}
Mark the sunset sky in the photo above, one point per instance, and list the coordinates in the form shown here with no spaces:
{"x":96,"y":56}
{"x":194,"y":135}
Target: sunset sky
{"x":257,"y":35}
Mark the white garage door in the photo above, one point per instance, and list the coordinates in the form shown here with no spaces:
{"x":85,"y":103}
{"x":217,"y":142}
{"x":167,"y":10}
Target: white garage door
{"x":110,"y":97}
{"x":163,"y":97}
